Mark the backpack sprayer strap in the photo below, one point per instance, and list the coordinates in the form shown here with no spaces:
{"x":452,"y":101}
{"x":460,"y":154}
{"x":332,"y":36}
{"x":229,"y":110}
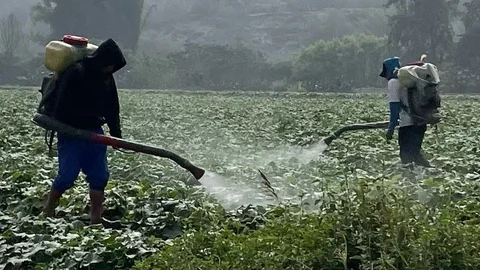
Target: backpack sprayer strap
{"x":49,"y":141}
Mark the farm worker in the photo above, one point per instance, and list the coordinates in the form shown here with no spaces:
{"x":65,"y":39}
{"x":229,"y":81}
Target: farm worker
{"x":87,"y":99}
{"x":410,"y":136}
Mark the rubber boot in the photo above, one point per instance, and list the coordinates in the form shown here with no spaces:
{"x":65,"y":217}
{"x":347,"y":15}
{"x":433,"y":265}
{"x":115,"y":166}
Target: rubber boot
{"x":96,"y":200}
{"x":52,"y":203}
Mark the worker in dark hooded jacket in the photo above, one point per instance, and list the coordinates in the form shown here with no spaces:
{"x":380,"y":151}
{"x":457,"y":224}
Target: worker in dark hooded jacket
{"x":87,"y":99}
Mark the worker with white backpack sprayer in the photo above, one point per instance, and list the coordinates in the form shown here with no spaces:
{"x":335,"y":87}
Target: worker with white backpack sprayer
{"x":414,"y":100}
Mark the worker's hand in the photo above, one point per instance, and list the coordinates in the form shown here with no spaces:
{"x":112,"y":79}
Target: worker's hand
{"x":389,"y":134}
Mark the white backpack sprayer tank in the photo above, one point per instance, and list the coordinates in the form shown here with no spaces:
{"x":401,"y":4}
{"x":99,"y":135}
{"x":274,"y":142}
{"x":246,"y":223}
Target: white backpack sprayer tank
{"x":419,"y":93}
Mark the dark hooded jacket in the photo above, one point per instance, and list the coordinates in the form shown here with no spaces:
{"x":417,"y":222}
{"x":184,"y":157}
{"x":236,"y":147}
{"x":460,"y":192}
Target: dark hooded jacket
{"x":87,"y":97}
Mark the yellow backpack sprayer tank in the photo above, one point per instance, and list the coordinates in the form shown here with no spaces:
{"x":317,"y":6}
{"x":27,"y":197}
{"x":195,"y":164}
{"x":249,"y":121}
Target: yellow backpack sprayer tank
{"x":59,"y":54}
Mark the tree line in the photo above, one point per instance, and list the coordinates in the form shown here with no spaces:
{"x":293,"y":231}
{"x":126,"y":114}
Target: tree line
{"x":342,"y":64}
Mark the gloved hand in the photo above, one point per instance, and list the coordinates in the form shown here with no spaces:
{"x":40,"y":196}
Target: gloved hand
{"x":389,"y":134}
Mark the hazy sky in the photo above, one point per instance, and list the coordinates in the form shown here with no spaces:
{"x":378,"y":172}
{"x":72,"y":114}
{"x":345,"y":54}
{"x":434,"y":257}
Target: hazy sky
{"x":20,"y":7}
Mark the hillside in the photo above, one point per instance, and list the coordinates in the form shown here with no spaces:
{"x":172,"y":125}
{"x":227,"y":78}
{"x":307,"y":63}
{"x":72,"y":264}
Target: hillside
{"x":277,"y":28}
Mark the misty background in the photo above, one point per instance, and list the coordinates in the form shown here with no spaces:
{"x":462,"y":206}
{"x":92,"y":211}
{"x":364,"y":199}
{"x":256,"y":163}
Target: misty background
{"x":279,"y":45}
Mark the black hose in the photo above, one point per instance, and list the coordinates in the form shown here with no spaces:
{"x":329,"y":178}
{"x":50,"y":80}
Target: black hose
{"x":361,"y":126}
{"x":49,"y":123}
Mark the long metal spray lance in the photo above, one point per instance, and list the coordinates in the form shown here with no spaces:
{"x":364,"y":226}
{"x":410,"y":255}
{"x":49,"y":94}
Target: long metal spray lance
{"x":52,"y":124}
{"x":359,"y":126}
{"x":328,"y":140}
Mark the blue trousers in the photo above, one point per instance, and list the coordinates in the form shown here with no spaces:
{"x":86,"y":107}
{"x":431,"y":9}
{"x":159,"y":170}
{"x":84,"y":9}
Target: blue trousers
{"x":75,"y":155}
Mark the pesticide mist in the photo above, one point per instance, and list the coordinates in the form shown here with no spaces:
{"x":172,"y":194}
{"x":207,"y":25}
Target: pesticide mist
{"x":232,"y":138}
{"x":232,"y":192}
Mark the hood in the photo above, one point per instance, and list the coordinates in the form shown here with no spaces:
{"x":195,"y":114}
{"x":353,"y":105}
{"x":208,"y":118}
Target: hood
{"x":108,"y":53}
{"x":389,"y":66}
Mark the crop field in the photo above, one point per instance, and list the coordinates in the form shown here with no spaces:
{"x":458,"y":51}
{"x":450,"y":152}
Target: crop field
{"x":350,"y":205}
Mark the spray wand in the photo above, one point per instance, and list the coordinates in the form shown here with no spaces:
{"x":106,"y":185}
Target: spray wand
{"x":328,"y":140}
{"x":360,"y":126}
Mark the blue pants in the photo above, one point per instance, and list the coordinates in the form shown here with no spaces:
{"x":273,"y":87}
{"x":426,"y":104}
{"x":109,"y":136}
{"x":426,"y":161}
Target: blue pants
{"x":77,"y":154}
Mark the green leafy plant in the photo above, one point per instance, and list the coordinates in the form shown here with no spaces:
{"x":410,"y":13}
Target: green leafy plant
{"x":351,"y":206}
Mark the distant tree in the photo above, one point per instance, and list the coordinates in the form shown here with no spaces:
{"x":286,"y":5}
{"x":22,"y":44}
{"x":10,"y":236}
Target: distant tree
{"x":99,"y":19}
{"x":341,"y":64}
{"x":11,"y":36}
{"x":422,"y":27}
{"x":220,"y":67}
{"x":12,"y":40}
{"x":211,"y":66}
{"x":462,"y":74}
{"x":470,"y":42}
